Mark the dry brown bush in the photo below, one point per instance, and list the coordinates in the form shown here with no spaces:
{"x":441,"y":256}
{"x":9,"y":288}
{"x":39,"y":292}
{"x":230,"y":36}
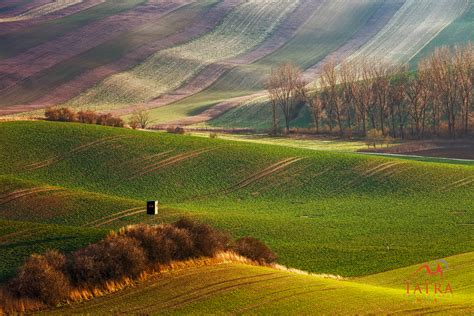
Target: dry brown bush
{"x":42,"y":277}
{"x":207,"y":240}
{"x":60,"y":114}
{"x":111,"y":259}
{"x":255,"y":250}
{"x":87,"y":117}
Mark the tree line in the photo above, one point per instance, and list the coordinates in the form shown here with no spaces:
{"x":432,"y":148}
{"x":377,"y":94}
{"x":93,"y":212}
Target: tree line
{"x":362,"y":95}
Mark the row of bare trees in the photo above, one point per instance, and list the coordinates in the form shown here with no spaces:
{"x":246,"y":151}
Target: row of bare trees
{"x":361,"y":95}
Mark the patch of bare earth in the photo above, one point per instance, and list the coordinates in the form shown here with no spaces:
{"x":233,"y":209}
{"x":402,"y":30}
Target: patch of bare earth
{"x":18,"y":25}
{"x":72,"y":88}
{"x":211,"y":73}
{"x":18,"y":68}
{"x":22,"y":8}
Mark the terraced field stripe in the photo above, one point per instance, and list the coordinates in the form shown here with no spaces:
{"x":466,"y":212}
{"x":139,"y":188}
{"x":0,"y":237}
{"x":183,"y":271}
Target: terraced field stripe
{"x":104,"y":218}
{"x":14,"y":43}
{"x":207,"y":76}
{"x":170,"y":161}
{"x":48,"y":8}
{"x":42,"y":57}
{"x":240,"y":31}
{"x":75,"y":75}
{"x":411,"y":29}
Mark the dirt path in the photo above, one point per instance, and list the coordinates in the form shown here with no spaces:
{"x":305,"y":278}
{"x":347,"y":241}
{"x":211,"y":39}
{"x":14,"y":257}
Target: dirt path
{"x":81,"y":83}
{"x":169,"y":161}
{"x":46,"y":55}
{"x":113,"y":219}
{"x":18,"y":25}
{"x":106,"y":218}
{"x":372,"y":27}
{"x":205,"y":78}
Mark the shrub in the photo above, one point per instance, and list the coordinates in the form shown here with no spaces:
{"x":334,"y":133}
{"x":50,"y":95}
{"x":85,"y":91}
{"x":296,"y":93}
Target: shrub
{"x":176,"y":130}
{"x":254,"y":249}
{"x":60,"y":114}
{"x":42,"y":277}
{"x":213,"y":135}
{"x":103,"y":118}
{"x":115,"y":122}
{"x":111,"y":259}
{"x":207,"y":240}
{"x":87,"y":117}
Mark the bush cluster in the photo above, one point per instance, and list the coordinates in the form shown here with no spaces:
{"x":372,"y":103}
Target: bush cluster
{"x":135,"y":249}
{"x":65,"y":114}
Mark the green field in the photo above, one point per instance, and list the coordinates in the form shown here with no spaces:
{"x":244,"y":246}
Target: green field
{"x":240,"y":289}
{"x":319,"y":210}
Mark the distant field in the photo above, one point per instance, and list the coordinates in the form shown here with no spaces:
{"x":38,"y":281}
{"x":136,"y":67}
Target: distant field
{"x":319,"y":210}
{"x":242,"y":29}
{"x":240,"y":289}
{"x":16,"y":42}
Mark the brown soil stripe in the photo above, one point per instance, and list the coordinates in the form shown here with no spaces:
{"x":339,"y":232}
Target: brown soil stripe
{"x":50,"y":53}
{"x":6,"y":195}
{"x":132,"y":163}
{"x":205,"y":78}
{"x":74,"y":87}
{"x":5,"y":239}
{"x":18,"y":196}
{"x":169,"y":161}
{"x":142,"y":211}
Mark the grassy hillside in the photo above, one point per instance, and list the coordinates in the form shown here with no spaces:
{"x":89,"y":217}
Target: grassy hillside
{"x":44,"y":82}
{"x":335,"y":21}
{"x":241,"y":289}
{"x":320,"y":211}
{"x":242,"y":29}
{"x":16,"y":42}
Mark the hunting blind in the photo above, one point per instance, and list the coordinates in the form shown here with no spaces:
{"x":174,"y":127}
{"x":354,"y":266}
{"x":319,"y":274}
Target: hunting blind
{"x":152,"y":208}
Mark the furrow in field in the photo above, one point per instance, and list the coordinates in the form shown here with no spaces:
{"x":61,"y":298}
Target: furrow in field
{"x":70,"y":89}
{"x":458,"y":184}
{"x":376,"y":23}
{"x":113,"y":219}
{"x":79,"y":149}
{"x":24,"y":65}
{"x":326,"y":18}
{"x":169,"y":161}
{"x":105,"y":218}
{"x":272,"y":169}
{"x":7,"y":238}
{"x":205,"y":291}
{"x":14,"y":8}
{"x":42,"y":10}
{"x":242,"y":29}
{"x":410,"y":29}
{"x":28,"y":193}
{"x":69,"y":10}
{"x":205,"y":78}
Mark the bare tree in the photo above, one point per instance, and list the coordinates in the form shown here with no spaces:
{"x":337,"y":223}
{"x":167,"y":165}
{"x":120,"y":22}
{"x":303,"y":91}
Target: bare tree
{"x":329,"y":82}
{"x":286,"y":88}
{"x":140,"y":118}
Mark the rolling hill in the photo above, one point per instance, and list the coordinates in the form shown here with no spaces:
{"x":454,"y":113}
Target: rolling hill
{"x":52,"y":53}
{"x":320,"y":211}
{"x":234,"y":288}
